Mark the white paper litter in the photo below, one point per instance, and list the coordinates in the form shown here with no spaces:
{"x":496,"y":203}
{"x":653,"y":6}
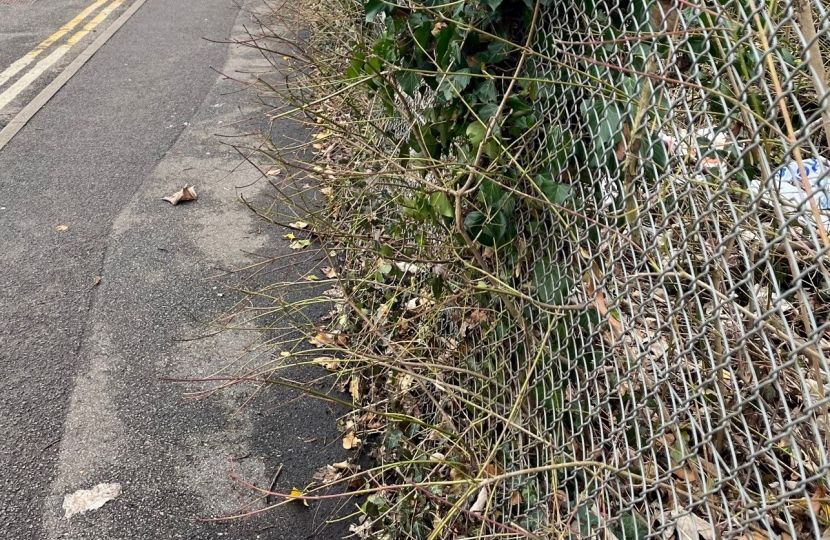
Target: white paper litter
{"x":481,"y":501}
{"x":681,"y":144}
{"x":85,"y":500}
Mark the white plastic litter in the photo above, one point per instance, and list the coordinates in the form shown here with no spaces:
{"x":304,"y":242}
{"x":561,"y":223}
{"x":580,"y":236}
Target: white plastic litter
{"x":785,"y":185}
{"x":790,"y":177}
{"x":790,"y":190}
{"x":85,"y":500}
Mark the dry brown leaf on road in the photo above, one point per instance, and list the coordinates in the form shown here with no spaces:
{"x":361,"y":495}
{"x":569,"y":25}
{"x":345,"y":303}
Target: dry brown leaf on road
{"x":299,"y":244}
{"x":298,"y":224}
{"x":322,"y":340}
{"x":328,"y":362}
{"x":335,"y":471}
{"x":62,"y":228}
{"x":187,"y":193}
{"x":350,"y":441}
{"x":329,"y":272}
{"x":327,"y":474}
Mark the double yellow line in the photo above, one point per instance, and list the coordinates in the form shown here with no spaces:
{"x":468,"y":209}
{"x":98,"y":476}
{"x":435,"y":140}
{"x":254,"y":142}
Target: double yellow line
{"x":26,"y":79}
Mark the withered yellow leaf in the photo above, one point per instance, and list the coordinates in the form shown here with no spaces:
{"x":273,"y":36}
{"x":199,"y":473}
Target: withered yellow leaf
{"x":322,"y":340}
{"x":328,"y":362}
{"x":350,"y":441}
{"x":299,"y":244}
{"x":354,"y":389}
{"x":297,"y":493}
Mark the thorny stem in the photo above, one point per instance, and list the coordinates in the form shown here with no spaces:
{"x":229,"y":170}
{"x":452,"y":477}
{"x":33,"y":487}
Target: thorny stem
{"x":632,"y":211}
{"x":460,"y":193}
{"x":519,"y":399}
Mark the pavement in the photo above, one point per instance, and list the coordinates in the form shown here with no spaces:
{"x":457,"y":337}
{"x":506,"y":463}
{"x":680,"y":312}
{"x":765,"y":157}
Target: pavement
{"x":102,"y":285}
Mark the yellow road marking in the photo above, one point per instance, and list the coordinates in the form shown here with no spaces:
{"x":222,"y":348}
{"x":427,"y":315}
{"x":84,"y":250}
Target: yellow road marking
{"x":57,"y":54}
{"x":27,"y":58}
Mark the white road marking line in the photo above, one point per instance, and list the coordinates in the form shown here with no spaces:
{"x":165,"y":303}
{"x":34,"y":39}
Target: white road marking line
{"x":30,"y":76}
{"x":27,"y":58}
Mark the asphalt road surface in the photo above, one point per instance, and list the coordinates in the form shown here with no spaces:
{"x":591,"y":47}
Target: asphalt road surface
{"x":99,"y":280}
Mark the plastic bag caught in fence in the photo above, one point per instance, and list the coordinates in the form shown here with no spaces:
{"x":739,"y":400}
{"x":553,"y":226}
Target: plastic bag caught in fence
{"x":787,"y":185}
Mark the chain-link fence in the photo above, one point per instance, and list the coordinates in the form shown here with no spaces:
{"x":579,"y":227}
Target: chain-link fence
{"x":641,"y":352}
{"x":693,"y":140}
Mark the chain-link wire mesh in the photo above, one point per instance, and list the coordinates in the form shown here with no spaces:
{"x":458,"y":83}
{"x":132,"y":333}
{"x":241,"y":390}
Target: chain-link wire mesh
{"x":690,"y":384}
{"x":695,"y":236}
{"x":653,"y":360}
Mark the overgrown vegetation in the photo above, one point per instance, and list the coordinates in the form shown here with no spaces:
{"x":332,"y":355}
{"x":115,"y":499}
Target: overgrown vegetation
{"x":568,"y":296}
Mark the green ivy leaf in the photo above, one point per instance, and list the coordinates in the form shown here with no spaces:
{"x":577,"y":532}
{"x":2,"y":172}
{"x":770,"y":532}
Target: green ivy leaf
{"x":356,"y":65}
{"x":392,"y":439}
{"x":460,"y":79}
{"x":490,"y":193}
{"x":518,"y":106}
{"x":441,"y":204}
{"x":604,"y":122}
{"x":495,"y":53}
{"x":554,"y":192}
{"x":475,"y":132}
{"x":373,"y":7}
{"x":409,"y":81}
{"x":487,"y":111}
{"x":631,"y":526}
{"x":488,"y":232}
{"x":653,"y":149}
{"x":551,"y":282}
{"x":442,"y":44}
{"x":486,"y":91}
{"x":422,"y":33}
